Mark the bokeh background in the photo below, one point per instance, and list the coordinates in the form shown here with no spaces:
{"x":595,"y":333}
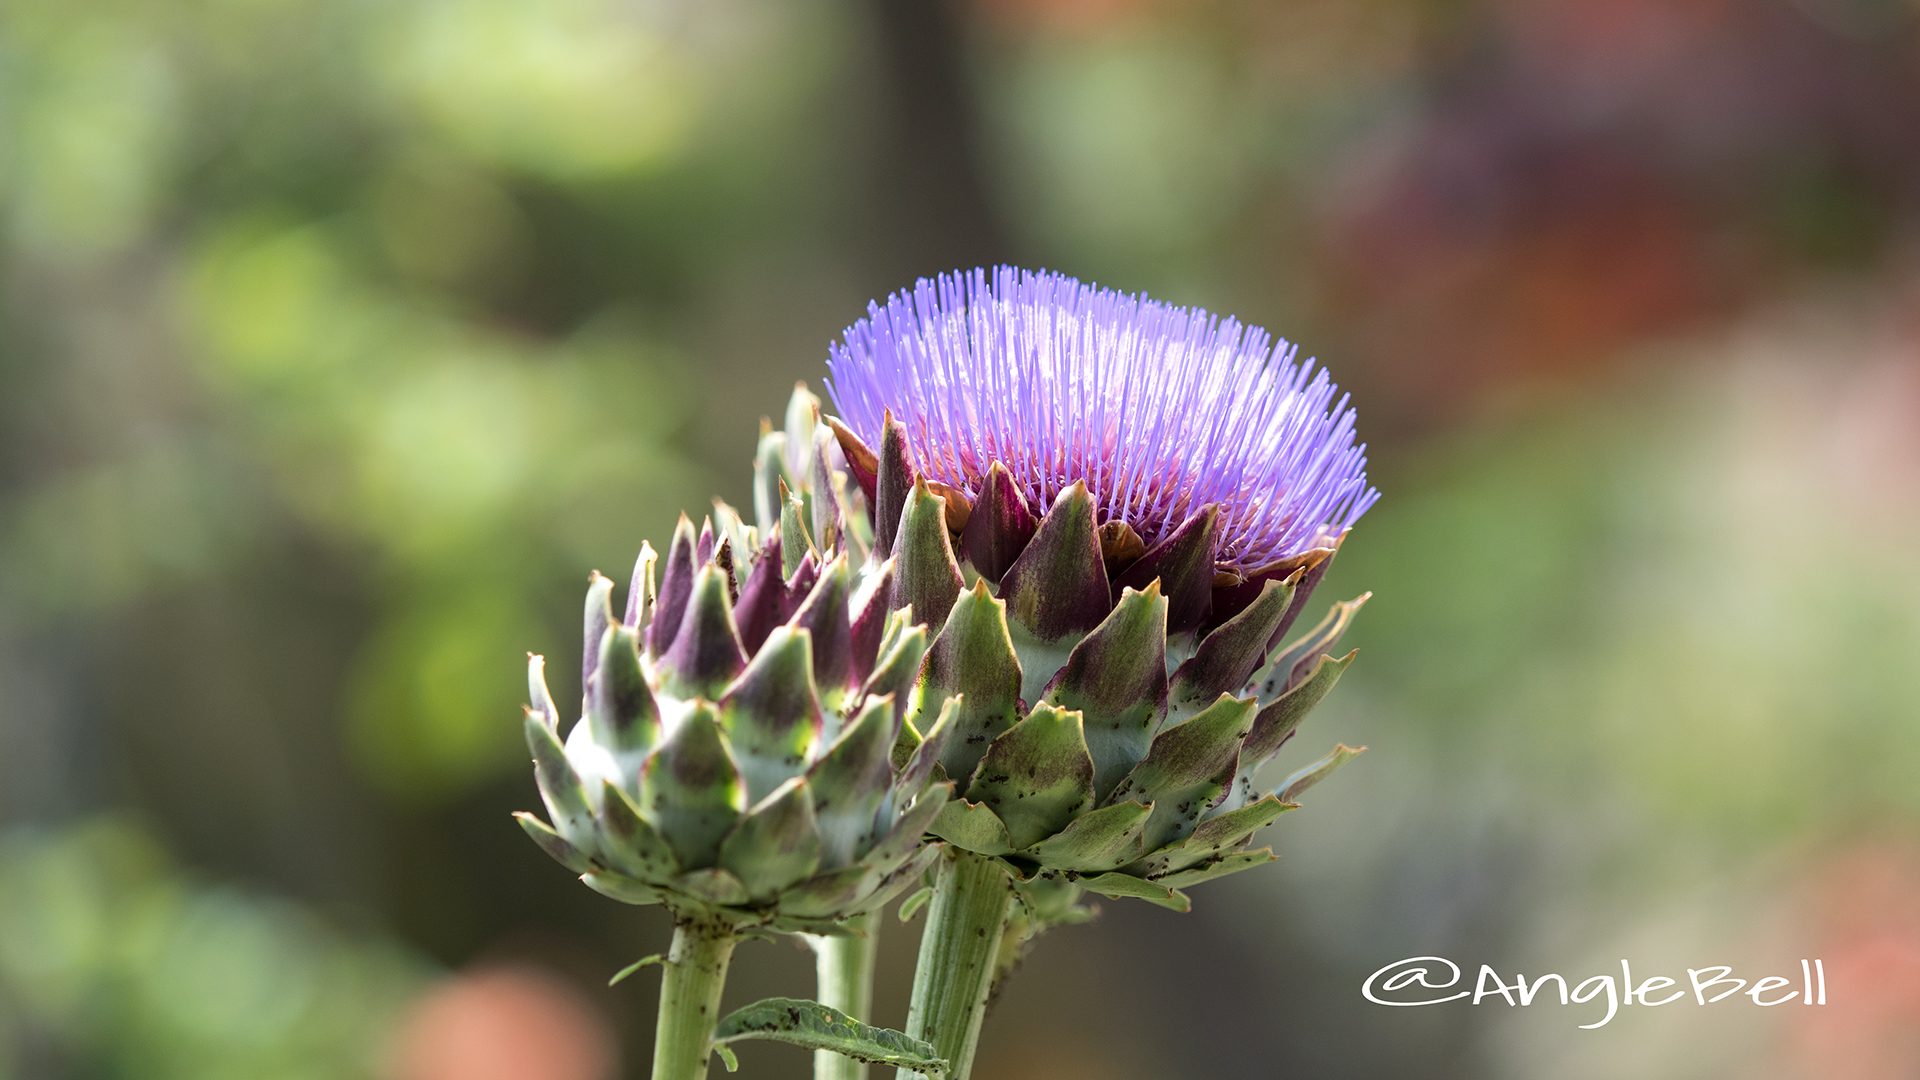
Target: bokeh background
{"x":338,"y":341}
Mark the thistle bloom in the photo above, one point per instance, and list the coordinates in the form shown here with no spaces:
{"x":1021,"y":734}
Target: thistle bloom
{"x":1159,"y":410}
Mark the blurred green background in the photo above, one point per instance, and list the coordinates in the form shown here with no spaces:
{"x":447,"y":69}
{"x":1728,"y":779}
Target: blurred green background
{"x":338,"y":341}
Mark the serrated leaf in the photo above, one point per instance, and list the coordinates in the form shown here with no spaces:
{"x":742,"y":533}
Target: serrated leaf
{"x":815,"y":1026}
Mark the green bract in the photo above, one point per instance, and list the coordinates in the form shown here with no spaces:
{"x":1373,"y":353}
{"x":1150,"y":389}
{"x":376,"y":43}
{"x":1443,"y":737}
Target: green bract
{"x":734,"y":758}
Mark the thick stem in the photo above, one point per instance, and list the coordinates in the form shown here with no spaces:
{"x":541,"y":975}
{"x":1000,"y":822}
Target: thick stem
{"x":965,"y":922}
{"x":844,"y":967}
{"x":690,"y":999}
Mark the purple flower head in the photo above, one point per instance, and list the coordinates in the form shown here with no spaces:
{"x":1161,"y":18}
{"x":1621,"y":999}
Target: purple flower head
{"x":1159,"y":410}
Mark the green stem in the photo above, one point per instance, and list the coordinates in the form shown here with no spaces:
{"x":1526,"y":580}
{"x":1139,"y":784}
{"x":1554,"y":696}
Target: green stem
{"x":965,"y":922}
{"x":690,"y":999}
{"x":844,"y":967}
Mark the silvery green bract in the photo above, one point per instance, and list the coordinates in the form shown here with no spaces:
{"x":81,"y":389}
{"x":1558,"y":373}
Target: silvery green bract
{"x":734,"y":757}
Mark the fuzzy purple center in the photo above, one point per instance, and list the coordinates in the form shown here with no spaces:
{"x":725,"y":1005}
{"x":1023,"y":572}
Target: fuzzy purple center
{"x":1159,"y":409}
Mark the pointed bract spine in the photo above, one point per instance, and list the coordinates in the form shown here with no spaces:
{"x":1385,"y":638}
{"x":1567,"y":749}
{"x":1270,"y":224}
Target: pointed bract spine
{"x":1117,"y":679}
{"x":1057,"y":588}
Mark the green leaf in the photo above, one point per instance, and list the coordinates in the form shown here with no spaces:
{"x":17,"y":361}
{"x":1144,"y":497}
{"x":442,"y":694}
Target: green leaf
{"x":795,"y":540}
{"x":714,"y":885}
{"x":627,"y":972}
{"x":1000,"y":526}
{"x":1036,"y":776}
{"x":599,"y":618}
{"x":770,"y":477}
{"x":906,"y":833}
{"x":817,"y":1027}
{"x":823,"y":615}
{"x":538,"y":694}
{"x":892,"y":486}
{"x":832,"y":894}
{"x":1183,"y":565}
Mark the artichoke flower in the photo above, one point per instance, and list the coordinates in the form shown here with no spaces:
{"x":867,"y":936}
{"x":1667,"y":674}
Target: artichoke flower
{"x":1111,"y":512}
{"x":734,"y":757}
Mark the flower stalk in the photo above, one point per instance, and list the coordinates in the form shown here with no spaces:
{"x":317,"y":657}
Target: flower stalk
{"x":696,"y":973}
{"x":959,"y":950}
{"x":844,"y":977}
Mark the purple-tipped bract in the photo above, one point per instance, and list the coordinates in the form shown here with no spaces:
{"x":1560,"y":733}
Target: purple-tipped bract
{"x":1160,"y":410}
